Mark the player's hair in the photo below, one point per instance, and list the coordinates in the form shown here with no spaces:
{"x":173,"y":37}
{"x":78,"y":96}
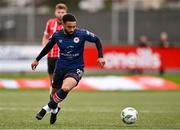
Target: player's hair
{"x":68,"y":17}
{"x":61,"y":6}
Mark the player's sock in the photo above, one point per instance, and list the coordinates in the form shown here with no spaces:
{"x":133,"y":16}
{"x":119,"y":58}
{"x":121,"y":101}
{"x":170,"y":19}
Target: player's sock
{"x":54,"y":111}
{"x":61,"y":94}
{"x":47,"y":108}
{"x":57,"y":97}
{"x":52,"y":104}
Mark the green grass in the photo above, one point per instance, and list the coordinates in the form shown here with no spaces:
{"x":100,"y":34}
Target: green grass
{"x":23,"y":75}
{"x":91,"y":110}
{"x":172,"y":77}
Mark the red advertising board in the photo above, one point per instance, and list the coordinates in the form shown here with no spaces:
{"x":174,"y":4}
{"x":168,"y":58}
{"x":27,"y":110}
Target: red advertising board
{"x":129,"y":57}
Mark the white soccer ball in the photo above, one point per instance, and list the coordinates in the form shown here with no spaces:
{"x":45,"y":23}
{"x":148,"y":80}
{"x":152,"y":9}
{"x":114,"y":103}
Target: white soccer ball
{"x":129,"y":115}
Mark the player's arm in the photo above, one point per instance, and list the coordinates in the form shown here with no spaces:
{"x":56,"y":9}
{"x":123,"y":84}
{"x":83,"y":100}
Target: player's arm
{"x":45,"y":37}
{"x":93,"y":38}
{"x":44,"y":51}
{"x":101,"y":60}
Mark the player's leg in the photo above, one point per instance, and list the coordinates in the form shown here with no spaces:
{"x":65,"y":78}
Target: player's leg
{"x":70,"y":81}
{"x":57,"y":83}
{"x":51,"y":63}
{"x":68,"y":84}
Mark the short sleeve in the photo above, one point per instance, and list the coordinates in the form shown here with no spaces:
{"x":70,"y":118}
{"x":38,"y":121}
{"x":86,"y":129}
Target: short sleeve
{"x":52,"y":38}
{"x":46,"y":31}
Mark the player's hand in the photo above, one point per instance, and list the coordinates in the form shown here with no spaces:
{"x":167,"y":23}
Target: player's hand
{"x":101,"y":62}
{"x":34,"y":64}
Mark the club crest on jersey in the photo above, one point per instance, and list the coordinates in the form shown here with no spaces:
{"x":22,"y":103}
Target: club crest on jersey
{"x":76,"y":39}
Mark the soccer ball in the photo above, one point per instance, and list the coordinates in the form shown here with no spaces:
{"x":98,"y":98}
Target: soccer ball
{"x":129,"y":115}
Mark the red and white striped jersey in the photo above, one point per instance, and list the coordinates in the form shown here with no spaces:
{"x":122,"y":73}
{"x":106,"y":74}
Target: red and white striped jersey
{"x":51,"y":26}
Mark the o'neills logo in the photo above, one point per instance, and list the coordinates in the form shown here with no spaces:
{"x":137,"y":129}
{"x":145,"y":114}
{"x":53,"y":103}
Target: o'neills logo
{"x":76,"y":39}
{"x":142,"y":58}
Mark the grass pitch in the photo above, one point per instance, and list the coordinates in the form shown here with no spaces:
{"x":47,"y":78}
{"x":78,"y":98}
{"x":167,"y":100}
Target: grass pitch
{"x":91,"y":110}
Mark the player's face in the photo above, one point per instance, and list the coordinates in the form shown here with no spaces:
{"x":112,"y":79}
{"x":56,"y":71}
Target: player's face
{"x":59,"y":13}
{"x":69,"y":27}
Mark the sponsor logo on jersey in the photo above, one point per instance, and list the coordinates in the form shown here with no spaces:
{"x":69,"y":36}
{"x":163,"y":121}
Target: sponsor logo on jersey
{"x":60,"y":41}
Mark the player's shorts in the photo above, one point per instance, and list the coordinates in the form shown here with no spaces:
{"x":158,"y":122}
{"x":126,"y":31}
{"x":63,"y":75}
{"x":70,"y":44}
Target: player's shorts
{"x":51,"y":63}
{"x":60,"y":75}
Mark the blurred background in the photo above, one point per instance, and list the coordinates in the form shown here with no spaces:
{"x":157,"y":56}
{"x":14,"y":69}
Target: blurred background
{"x":138,"y":36}
{"x":22,"y":22}
{"x":141,"y":44}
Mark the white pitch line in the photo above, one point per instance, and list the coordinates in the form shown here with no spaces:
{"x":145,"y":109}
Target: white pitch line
{"x":66,"y":110}
{"x":89,"y":129}
{"x":81,"y":110}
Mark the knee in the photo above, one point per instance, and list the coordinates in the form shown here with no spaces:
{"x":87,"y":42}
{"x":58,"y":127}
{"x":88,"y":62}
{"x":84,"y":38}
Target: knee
{"x":65,"y":89}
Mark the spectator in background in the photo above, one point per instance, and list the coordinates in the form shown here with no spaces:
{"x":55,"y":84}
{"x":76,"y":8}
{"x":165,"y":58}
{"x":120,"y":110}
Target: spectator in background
{"x":164,"y":41}
{"x":143,"y":41}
